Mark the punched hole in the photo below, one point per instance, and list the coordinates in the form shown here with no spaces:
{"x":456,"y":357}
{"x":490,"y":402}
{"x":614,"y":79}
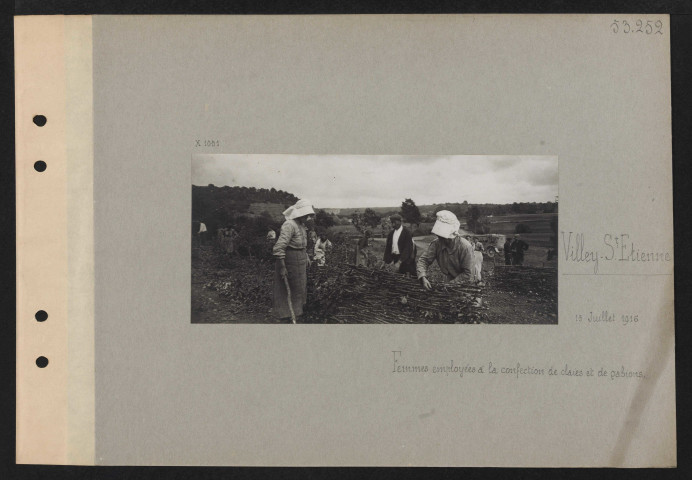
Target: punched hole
{"x":40,"y":166}
{"x":41,"y":316}
{"x":41,"y":362}
{"x":40,"y":120}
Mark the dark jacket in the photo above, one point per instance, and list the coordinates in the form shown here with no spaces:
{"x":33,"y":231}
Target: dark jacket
{"x":518,"y":248}
{"x":405,"y":244}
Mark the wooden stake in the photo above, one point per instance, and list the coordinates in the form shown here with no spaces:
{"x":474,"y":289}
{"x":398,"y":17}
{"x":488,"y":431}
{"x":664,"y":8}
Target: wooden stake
{"x":290,"y":302}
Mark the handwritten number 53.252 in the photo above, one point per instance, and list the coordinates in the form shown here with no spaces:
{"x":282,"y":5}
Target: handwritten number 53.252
{"x":648,"y":28}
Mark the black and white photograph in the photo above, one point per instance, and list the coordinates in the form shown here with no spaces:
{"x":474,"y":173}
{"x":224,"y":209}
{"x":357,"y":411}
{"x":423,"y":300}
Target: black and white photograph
{"x":323,"y":240}
{"x":374,"y":239}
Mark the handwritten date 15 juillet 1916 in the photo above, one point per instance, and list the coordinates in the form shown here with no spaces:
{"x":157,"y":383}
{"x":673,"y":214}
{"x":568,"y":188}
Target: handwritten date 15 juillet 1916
{"x":607,"y":316}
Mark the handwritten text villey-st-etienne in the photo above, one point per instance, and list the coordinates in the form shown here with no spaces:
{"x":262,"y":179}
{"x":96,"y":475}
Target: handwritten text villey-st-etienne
{"x":611,"y":248}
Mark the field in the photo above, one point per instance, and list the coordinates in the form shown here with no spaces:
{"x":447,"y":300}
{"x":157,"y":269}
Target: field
{"x":538,"y":239}
{"x":274,"y":209}
{"x":539,"y":223}
{"x":351,"y":232}
{"x":348,"y":230}
{"x":237,"y":289}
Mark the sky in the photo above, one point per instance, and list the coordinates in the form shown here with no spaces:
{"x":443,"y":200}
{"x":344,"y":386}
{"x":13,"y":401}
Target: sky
{"x":349,"y":181}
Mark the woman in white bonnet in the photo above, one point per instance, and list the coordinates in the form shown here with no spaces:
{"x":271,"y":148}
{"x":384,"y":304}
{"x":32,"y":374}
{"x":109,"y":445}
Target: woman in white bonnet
{"x":292,"y":260}
{"x":454,"y":254}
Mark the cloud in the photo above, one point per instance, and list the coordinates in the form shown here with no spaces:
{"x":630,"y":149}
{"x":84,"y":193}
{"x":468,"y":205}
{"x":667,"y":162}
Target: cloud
{"x":498,"y":164}
{"x":544,"y":176}
{"x":385,"y":180}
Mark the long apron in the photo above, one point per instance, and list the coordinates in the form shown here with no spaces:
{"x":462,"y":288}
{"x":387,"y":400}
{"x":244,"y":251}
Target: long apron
{"x":296,"y":265}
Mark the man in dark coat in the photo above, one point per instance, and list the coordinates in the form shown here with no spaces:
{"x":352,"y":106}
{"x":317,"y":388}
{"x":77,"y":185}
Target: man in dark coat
{"x":518,"y":248}
{"x":507,"y":247}
{"x":400,"y":247}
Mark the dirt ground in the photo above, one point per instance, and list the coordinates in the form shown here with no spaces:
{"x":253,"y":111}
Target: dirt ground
{"x":212,"y":277}
{"x":238,"y":290}
{"x":527,"y":306}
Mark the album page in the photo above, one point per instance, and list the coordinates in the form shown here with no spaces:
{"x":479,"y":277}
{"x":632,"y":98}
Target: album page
{"x":363,"y":240}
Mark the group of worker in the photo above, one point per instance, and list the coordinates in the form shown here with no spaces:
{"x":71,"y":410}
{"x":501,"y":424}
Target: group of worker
{"x":460,"y":259}
{"x":456,"y":256}
{"x":319,"y":244}
{"x":225,"y":238}
{"x":514,"y":250}
{"x":401,"y":250}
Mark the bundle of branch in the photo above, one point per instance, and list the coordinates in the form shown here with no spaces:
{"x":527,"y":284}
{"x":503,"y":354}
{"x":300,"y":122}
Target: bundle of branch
{"x":526,"y":280}
{"x":355,"y":294}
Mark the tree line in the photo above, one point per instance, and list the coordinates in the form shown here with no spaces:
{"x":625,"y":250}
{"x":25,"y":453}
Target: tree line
{"x":210,"y":201}
{"x":223,"y":205}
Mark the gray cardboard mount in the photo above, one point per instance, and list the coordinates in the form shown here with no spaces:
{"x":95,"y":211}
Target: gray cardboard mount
{"x":168,"y":392}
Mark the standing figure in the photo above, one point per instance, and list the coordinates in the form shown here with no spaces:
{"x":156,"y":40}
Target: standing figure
{"x":400,"y":247}
{"x":507,"y":249}
{"x":518,"y":248}
{"x":292,"y":261}
{"x":224,"y":239}
{"x":218,"y":241}
{"x":202,"y":234}
{"x":321,"y":247}
{"x":453,"y":254}
{"x":271,"y":236}
{"x":478,"y":260}
{"x":363,"y":250}
{"x":231,"y":236}
{"x":270,"y":241}
{"x":312,"y":240}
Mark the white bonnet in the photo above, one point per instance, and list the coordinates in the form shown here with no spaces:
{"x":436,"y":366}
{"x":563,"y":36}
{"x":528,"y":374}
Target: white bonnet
{"x":447,"y":225}
{"x":301,"y":208}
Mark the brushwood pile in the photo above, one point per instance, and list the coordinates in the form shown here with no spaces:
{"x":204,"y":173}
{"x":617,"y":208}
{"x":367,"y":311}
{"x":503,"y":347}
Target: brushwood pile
{"x":356,"y":294}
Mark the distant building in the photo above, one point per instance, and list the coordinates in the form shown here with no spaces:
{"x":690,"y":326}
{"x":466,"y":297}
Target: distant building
{"x":334,"y":211}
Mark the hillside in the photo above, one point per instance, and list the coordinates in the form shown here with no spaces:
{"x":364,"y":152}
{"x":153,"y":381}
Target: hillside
{"x":221,"y":205}
{"x":274,"y":209}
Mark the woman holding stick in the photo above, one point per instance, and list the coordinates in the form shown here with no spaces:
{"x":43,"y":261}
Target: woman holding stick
{"x":290,"y":274}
